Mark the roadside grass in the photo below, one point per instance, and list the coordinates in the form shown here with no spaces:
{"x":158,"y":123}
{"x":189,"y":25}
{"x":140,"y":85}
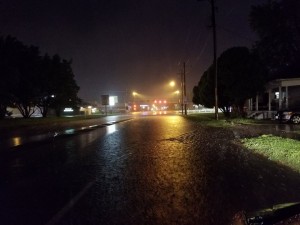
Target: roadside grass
{"x":283,"y":150}
{"x":39,"y":121}
{"x":209,"y":120}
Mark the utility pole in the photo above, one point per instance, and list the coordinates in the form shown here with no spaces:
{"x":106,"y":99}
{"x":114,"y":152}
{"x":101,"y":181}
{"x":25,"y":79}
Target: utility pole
{"x":182,"y":92}
{"x":184,"y":89}
{"x":213,"y":20}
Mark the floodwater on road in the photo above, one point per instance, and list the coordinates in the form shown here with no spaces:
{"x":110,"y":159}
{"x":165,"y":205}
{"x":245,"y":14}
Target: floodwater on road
{"x":150,"y":170}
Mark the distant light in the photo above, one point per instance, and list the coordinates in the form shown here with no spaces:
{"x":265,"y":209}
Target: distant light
{"x":172,"y":83}
{"x":68,"y":110}
{"x":113,"y":100}
{"x":17,"y":141}
{"x":52,"y":96}
{"x":89,"y":107}
{"x":165,"y":101}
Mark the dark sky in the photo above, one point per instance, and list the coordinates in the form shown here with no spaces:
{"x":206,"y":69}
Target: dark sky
{"x":128,"y":45}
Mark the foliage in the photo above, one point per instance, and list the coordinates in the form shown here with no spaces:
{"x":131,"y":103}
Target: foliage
{"x":277,"y":24}
{"x":208,"y":119}
{"x":31,"y":81}
{"x":25,"y":96}
{"x":203,"y":94}
{"x":58,"y":88}
{"x":38,"y":122}
{"x":240,"y":76}
{"x":282,"y":150}
{"x":10,"y":50}
{"x":18,"y":67}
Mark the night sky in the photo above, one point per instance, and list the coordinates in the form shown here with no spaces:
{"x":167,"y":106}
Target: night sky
{"x":130,"y":45}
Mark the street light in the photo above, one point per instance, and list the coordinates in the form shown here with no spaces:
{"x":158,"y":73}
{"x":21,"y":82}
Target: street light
{"x":172,"y":83}
{"x":177,"y":92}
{"x":134,"y":94}
{"x":133,"y":103}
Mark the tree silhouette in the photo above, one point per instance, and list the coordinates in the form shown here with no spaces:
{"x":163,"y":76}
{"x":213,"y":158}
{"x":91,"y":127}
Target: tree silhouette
{"x":30,"y":81}
{"x":8,"y":47}
{"x":277,"y":24}
{"x":240,"y":76}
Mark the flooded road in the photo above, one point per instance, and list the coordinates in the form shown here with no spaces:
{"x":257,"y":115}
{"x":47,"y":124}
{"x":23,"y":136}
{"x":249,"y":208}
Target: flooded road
{"x":149,"y":170}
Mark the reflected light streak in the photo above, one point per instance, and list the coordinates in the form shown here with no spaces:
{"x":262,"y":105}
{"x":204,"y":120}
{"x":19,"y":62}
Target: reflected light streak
{"x":111,"y":129}
{"x":70,"y":131}
{"x":16,"y":141}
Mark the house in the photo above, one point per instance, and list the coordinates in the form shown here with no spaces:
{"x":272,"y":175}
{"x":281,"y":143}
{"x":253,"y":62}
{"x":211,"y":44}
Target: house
{"x":279,"y":94}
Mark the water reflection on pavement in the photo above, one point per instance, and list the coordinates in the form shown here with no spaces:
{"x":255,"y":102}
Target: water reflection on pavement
{"x":150,"y":170}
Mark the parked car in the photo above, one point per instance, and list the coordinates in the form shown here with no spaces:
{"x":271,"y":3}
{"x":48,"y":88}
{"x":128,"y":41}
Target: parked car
{"x":289,"y":115}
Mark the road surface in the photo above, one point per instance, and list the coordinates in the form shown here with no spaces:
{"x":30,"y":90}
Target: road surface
{"x":147,"y":170}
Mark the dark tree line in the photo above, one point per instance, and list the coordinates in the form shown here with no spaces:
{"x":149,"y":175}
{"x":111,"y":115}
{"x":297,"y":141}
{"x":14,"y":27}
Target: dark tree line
{"x":30,"y":81}
{"x":277,"y":24}
{"x":242,"y":73}
{"x":240,"y":76}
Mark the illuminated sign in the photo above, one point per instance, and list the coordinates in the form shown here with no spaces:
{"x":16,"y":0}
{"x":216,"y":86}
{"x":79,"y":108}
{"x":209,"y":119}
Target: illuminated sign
{"x":113,"y":100}
{"x":68,"y":110}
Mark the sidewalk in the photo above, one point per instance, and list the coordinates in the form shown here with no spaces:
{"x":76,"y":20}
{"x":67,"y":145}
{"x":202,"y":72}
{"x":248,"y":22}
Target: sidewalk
{"x":24,"y":135}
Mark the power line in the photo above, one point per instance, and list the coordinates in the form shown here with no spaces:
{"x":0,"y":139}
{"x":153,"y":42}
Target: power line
{"x":236,"y":34}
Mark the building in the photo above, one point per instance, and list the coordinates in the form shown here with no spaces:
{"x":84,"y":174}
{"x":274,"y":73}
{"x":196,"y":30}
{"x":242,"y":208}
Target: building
{"x":279,"y":94}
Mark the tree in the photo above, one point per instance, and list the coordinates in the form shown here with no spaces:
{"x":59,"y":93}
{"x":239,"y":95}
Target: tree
{"x":25,"y":97}
{"x":62,"y":85}
{"x":30,"y":81}
{"x":17,"y":66}
{"x":203,"y":94}
{"x":48,"y":70}
{"x":240,"y":76}
{"x":277,"y":24}
{"x":8,"y":48}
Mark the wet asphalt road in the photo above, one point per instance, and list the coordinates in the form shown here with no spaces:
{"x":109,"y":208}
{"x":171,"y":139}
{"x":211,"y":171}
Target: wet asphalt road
{"x":149,"y":170}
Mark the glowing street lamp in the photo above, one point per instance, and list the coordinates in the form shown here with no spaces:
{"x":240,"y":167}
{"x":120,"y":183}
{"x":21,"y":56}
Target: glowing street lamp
{"x":134,"y":94}
{"x":172,"y":83}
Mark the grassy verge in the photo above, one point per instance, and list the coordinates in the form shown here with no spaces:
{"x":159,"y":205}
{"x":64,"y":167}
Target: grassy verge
{"x":282,"y":150}
{"x":209,"y":120}
{"x":38,"y":121}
